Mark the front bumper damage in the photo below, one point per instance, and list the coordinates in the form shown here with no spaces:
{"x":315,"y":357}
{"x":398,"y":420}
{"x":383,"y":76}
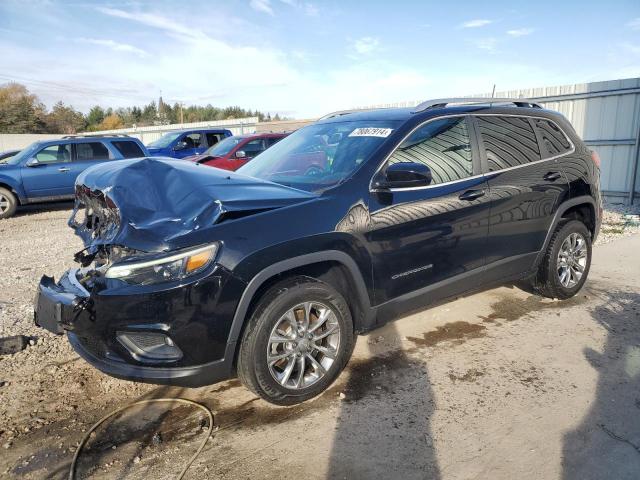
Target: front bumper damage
{"x":95,"y":321}
{"x":58,"y":305}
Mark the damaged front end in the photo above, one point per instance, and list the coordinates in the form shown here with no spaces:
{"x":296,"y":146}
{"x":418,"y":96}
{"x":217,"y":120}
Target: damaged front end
{"x":147,"y":301}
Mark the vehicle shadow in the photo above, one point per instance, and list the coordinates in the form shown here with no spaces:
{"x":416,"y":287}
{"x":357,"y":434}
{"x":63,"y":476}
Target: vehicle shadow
{"x":383,"y":427}
{"x":25,"y":210}
{"x":607,"y":442}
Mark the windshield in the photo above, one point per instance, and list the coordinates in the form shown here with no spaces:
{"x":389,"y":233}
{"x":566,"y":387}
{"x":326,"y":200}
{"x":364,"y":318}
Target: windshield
{"x":165,"y":140}
{"x":319,"y":156}
{"x":24,"y":154}
{"x":222,"y":148}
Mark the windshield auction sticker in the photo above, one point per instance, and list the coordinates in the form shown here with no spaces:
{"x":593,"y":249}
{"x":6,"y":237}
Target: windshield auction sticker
{"x":371,"y":132}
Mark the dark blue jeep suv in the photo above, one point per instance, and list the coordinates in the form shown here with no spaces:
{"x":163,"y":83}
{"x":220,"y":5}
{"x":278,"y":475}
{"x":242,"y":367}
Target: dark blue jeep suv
{"x":193,"y":275}
{"x":46,"y":171}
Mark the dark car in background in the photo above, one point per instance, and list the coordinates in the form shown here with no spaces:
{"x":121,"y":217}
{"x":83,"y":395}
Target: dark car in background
{"x":233,"y":152}
{"x":46,"y":171}
{"x":268,"y":273}
{"x":185,"y":143}
{"x":7,"y":154}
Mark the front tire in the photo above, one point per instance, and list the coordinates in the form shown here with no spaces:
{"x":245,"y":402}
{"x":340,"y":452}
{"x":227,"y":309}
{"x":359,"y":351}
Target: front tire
{"x":298,"y":340}
{"x":565,"y":266}
{"x":8,"y":203}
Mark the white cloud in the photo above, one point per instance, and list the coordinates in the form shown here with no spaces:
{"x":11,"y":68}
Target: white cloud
{"x":631,"y":48}
{"x":478,"y":22}
{"x":307,"y":8}
{"x":488,"y":44}
{"x":154,"y":20}
{"x":520,"y":32}
{"x":365,"y":45}
{"x":634,"y":24}
{"x":262,"y":6}
{"x":311,"y":10}
{"x":113,"y":45}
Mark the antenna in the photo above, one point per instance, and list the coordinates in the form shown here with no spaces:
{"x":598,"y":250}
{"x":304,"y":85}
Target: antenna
{"x":493,"y":92}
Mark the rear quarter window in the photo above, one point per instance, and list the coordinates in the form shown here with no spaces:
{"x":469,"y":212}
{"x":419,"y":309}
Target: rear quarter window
{"x":554,"y":141}
{"x":91,"y":151}
{"x":128,"y":148}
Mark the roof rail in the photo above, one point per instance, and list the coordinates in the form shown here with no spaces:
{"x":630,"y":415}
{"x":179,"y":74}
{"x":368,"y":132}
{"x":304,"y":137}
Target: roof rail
{"x":89,"y":135}
{"x":339,"y":113}
{"x":444,"y":102}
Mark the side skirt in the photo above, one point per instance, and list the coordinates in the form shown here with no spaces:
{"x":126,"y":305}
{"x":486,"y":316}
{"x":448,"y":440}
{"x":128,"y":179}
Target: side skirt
{"x":479,"y":279}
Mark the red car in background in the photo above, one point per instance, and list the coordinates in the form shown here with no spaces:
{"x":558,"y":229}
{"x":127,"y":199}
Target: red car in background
{"x":233,"y":152}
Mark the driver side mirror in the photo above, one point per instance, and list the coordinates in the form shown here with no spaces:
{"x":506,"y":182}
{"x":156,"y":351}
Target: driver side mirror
{"x":404,"y":175}
{"x":33,"y":162}
{"x":241,"y":154}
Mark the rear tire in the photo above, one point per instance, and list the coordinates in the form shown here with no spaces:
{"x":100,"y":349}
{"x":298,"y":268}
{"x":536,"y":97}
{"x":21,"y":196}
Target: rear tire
{"x":8,"y":203}
{"x":566,"y":263}
{"x":311,"y":357}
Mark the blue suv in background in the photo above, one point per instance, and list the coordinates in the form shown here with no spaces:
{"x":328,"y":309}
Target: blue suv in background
{"x":46,"y":171}
{"x":185,"y":143}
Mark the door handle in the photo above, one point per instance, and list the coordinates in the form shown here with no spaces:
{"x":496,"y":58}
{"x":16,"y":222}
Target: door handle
{"x":552,"y":176}
{"x":63,"y":169}
{"x":471,"y":194}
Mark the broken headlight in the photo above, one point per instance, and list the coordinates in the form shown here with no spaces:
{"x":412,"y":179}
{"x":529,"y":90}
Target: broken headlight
{"x":164,"y":269}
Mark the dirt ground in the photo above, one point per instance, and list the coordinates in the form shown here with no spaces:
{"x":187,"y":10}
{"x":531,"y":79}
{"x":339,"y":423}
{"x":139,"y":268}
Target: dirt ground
{"x":500,"y":384}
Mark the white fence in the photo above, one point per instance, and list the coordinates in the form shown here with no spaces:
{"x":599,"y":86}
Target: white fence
{"x":17,"y":141}
{"x":147,"y":135}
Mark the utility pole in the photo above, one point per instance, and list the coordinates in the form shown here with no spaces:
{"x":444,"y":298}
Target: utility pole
{"x":181,"y":115}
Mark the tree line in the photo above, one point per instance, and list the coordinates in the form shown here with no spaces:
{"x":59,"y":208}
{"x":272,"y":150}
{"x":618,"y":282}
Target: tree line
{"x":22,"y":112}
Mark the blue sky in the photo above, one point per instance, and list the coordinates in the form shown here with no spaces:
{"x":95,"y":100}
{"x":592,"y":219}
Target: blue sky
{"x":304,"y":58}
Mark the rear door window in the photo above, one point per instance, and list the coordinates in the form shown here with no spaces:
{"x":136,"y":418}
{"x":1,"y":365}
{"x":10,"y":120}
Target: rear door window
{"x":128,"y":148}
{"x":554,"y":141}
{"x":508,"y":141}
{"x":91,"y":151}
{"x":213,"y":138}
{"x":193,"y":140}
{"x":443,"y":146}
{"x":54,"y":154}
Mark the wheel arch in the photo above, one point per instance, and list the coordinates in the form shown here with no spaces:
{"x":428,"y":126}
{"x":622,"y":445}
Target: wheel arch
{"x":12,"y":189}
{"x":332,"y":266}
{"x":576,"y":208}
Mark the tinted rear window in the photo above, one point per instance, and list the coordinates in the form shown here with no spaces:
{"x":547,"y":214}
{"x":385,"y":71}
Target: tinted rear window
{"x":128,"y":149}
{"x":508,"y":141}
{"x":91,"y":151}
{"x":554,"y":141}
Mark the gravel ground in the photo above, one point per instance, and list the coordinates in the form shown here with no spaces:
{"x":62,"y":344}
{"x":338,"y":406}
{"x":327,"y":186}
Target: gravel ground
{"x":48,"y":397}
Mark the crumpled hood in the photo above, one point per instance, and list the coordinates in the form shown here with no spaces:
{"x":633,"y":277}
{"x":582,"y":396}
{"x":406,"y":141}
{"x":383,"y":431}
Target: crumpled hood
{"x":147,"y":204}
